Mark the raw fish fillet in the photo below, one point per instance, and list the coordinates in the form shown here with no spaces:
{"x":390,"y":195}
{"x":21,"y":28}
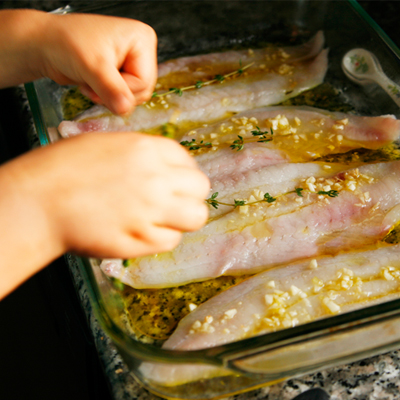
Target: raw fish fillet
{"x":274,"y":179}
{"x":280,"y":298}
{"x":299,"y":134}
{"x":257,"y":86}
{"x":253,"y":238}
{"x":198,"y":67}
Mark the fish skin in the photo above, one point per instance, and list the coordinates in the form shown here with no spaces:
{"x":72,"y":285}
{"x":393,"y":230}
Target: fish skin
{"x":248,"y":299}
{"x":208,"y":103}
{"x":269,"y":236}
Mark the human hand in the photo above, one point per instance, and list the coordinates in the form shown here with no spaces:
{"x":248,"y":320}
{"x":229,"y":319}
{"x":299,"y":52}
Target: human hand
{"x":115,"y":195}
{"x":112,"y":59}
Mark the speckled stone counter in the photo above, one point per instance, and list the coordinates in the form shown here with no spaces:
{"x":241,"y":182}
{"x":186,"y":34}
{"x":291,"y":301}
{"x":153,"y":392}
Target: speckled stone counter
{"x":373,"y":378}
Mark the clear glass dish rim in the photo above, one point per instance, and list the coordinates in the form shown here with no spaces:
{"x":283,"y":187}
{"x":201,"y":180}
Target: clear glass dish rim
{"x":219,"y":355}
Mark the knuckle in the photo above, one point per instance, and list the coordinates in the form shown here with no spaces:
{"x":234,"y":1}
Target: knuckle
{"x":149,"y":32}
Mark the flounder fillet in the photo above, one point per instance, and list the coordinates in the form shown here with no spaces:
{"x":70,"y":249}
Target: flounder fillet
{"x":280,"y":298}
{"x":299,"y":134}
{"x":201,"y":66}
{"x":253,"y":238}
{"x":257,"y":86}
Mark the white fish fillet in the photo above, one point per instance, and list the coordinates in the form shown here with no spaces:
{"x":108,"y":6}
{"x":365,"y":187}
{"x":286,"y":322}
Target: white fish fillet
{"x":254,"y":88}
{"x":257,"y":238}
{"x":274,"y":179}
{"x":280,"y":298}
{"x":300,"y":133}
{"x":198,"y":66}
{"x":294,"y":130}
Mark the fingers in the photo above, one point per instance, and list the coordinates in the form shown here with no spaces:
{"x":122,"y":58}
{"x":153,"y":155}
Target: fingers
{"x":155,"y":240}
{"x":140,"y":65}
{"x":108,"y":84}
{"x":128,"y":79}
{"x":186,"y":215}
{"x":181,"y":204}
{"x":192,"y":182}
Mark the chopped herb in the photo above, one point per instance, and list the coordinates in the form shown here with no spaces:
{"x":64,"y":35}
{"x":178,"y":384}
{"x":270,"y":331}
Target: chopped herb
{"x":219,"y":78}
{"x":117,"y":284}
{"x":240,"y":70}
{"x":198,"y":85}
{"x":168,"y":130}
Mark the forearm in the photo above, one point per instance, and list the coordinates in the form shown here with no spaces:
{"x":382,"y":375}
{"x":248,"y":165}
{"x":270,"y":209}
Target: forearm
{"x":27,"y":240}
{"x":20,"y":43}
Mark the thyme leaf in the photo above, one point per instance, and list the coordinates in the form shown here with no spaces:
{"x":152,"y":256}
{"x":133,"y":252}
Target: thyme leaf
{"x":268,"y":198}
{"x":212,"y":200}
{"x":298,"y":191}
{"x":193,"y":145}
{"x":178,"y":91}
{"x":237,"y":144}
{"x":330,"y":193}
{"x":262,"y":136}
{"x":200,"y":84}
{"x":238,"y":203}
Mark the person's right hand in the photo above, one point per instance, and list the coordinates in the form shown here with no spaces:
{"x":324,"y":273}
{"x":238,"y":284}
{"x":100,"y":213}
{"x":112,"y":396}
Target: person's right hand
{"x":113,"y":60}
{"x":114,"y":195}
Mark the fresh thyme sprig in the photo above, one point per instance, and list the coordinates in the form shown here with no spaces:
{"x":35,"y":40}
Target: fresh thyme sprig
{"x":200,"y":84}
{"x":262,"y":136}
{"x":330,"y":193}
{"x":238,"y":144}
{"x":192,"y":145}
{"x":267,"y":198}
{"x":258,"y":136}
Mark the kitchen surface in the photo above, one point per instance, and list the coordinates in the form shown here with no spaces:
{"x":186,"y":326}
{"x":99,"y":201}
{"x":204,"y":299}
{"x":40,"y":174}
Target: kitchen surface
{"x":51,"y":344}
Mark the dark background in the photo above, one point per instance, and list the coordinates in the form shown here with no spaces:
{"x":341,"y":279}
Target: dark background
{"x":46,"y":348}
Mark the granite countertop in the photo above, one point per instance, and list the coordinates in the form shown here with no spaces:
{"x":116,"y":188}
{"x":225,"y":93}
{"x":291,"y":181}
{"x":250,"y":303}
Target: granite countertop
{"x":373,"y":378}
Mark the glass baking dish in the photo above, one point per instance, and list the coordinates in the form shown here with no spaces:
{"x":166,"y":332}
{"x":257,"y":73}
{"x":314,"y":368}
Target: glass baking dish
{"x":193,"y":27}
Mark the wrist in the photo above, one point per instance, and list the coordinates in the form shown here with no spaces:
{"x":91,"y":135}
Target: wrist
{"x":29,"y":241}
{"x":22,"y":38}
